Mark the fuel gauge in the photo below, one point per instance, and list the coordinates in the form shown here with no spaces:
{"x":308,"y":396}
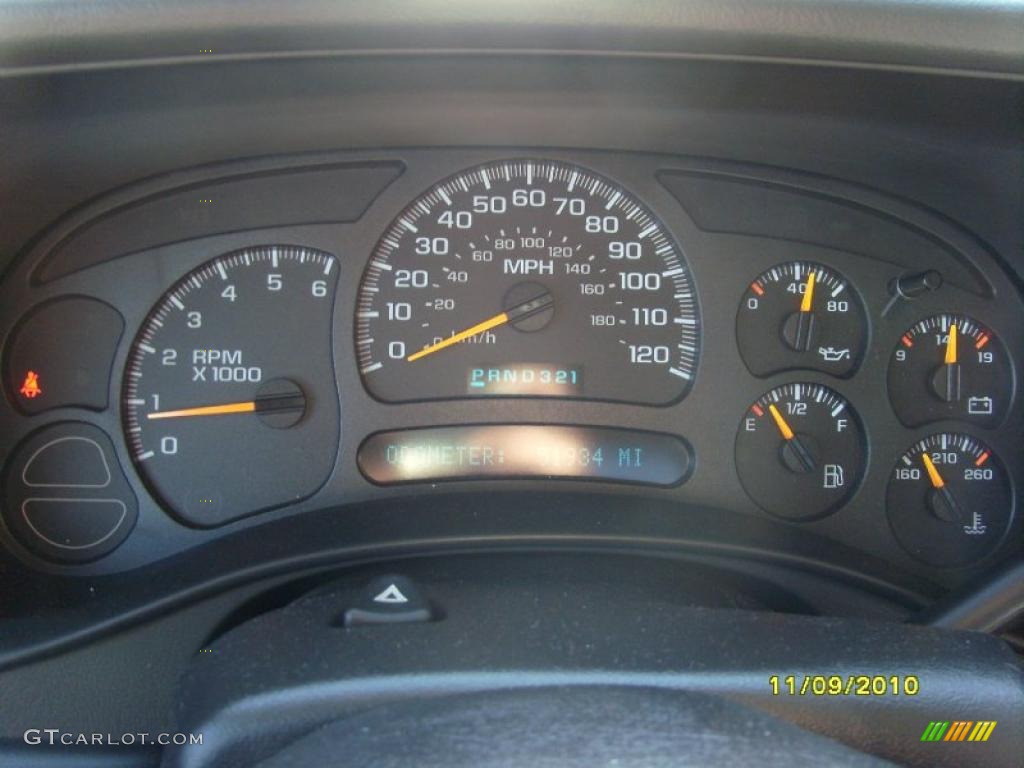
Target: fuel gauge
{"x":800,"y":451}
{"x":950,"y":367}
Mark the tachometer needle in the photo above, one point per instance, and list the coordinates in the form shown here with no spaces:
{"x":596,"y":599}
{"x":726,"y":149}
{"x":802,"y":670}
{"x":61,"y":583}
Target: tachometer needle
{"x":206,"y":410}
{"x":514,"y":314}
{"x":276,"y":397}
{"x":807,"y":303}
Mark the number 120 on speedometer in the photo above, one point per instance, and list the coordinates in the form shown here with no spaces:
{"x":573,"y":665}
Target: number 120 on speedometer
{"x":527,"y":278}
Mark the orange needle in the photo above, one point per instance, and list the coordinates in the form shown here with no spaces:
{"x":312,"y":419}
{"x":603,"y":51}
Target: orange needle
{"x":933,"y":472}
{"x":206,"y":410}
{"x":951,"y":346}
{"x":486,"y":325}
{"x":808,"y":300}
{"x":780,"y":422}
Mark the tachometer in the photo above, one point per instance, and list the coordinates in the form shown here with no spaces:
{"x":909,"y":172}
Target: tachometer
{"x":230,"y":405}
{"x":527,"y":278}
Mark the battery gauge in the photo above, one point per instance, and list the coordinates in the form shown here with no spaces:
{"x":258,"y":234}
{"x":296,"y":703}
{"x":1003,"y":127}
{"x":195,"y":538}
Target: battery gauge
{"x":950,"y":366}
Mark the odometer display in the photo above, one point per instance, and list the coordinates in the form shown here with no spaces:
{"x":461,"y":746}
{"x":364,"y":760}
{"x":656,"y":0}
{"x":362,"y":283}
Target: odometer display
{"x":527,"y":278}
{"x":503,"y":451}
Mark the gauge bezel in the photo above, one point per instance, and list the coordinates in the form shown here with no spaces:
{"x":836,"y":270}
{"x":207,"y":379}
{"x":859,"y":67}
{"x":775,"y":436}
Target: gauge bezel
{"x":324,"y":393}
{"x":996,"y":339}
{"x":956,"y":432}
{"x":693,"y":342}
{"x":862,"y":442}
{"x":795,"y":363}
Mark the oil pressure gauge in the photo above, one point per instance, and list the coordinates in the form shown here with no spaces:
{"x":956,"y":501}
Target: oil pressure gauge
{"x":949,"y":366}
{"x":801,"y":315}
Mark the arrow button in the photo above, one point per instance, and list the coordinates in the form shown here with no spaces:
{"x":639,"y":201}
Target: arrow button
{"x":389,"y":599}
{"x":392,"y":595}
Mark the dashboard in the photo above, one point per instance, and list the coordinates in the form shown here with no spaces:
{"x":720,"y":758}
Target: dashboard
{"x":580,"y":359}
{"x":267,"y":338}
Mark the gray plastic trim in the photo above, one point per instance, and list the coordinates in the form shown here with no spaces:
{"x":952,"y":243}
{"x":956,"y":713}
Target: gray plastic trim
{"x":983,"y":37}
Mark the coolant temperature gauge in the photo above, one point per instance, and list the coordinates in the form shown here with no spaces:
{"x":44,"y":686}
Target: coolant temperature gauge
{"x":950,"y":367}
{"x":949,"y":500}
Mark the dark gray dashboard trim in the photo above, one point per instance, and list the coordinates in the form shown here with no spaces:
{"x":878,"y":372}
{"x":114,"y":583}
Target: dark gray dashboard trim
{"x":993,"y":605}
{"x":27,"y":643}
{"x":950,"y":36}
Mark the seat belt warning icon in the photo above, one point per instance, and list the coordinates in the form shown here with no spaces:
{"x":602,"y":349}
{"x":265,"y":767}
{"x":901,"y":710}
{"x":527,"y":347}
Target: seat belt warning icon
{"x":30,"y":388}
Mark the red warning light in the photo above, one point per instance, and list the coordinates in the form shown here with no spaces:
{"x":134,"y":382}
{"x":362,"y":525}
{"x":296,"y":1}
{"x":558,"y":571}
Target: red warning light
{"x":31,"y":388}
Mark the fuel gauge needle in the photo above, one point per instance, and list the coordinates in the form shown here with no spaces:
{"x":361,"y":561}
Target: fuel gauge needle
{"x":780,"y":422}
{"x":949,"y":510}
{"x":794,"y":442}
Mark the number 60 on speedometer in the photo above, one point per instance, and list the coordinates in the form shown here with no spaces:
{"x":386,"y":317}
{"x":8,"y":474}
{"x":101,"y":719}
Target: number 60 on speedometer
{"x":527,"y":278}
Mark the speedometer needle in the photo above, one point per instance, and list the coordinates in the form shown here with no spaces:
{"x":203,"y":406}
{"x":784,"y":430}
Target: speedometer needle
{"x":514,"y":314}
{"x":492,"y":322}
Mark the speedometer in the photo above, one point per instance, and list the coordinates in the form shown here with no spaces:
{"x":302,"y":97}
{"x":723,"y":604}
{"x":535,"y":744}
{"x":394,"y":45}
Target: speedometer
{"x":527,"y":278}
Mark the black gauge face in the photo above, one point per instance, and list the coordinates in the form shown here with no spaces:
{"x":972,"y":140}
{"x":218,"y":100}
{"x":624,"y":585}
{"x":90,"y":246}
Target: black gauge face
{"x":950,"y":367}
{"x":527,"y":278}
{"x":949,"y":500}
{"x":800,"y":451}
{"x":229,"y":403}
{"x":801,"y":315}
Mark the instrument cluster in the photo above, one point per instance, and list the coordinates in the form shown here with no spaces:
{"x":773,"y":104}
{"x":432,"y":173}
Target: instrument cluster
{"x":492,"y":322}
